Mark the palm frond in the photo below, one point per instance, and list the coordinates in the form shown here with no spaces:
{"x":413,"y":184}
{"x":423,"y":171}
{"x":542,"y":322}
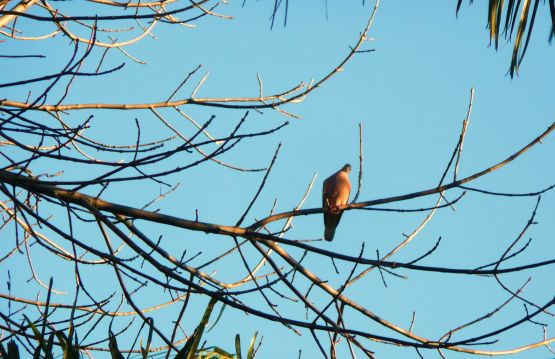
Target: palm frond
{"x":552,"y":11}
{"x":510,"y":10}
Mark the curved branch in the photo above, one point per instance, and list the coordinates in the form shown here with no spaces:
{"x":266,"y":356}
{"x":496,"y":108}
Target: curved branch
{"x":405,"y":197}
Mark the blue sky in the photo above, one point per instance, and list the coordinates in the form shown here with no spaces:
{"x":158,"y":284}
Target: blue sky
{"x":411,"y":95}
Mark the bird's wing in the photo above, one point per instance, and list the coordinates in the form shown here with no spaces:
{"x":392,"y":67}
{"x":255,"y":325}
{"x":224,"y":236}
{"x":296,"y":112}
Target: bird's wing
{"x":329,"y":191}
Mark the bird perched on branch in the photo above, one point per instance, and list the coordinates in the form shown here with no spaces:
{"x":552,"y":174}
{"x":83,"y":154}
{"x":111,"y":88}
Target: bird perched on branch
{"x":335,"y":193}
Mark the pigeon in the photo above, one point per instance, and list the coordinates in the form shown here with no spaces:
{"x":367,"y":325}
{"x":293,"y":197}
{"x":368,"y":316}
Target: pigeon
{"x":335,"y":193}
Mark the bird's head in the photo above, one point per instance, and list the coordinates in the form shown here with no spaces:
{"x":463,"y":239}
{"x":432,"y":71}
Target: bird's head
{"x":347,"y":168}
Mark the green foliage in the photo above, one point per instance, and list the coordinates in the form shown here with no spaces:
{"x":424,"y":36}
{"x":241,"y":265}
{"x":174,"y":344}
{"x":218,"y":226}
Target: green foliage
{"x":44,"y":348}
{"x":190,"y":350}
{"x":145,"y":351}
{"x":113,"y":345}
{"x":13,"y":350}
{"x":69,"y":351}
{"x":250,"y":352}
{"x":511,"y":9}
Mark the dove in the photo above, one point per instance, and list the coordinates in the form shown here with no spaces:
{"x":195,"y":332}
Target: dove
{"x":335,"y":193}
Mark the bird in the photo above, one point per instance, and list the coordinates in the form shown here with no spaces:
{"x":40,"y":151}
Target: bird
{"x":335,"y":193}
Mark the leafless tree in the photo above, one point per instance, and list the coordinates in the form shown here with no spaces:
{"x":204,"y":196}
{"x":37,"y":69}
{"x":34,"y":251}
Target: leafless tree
{"x":61,"y":184}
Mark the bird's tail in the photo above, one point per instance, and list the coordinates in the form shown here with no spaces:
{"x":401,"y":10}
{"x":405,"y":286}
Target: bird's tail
{"x":331,"y":220}
{"x":329,"y":232}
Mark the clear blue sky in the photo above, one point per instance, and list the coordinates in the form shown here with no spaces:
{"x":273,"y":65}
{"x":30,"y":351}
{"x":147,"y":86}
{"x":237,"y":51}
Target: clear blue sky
{"x":411,"y":96}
